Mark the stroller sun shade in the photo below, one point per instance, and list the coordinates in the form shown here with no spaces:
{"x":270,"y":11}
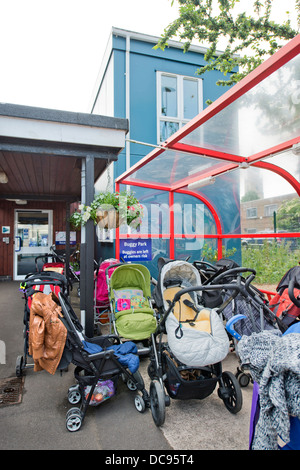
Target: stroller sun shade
{"x":172,"y":273}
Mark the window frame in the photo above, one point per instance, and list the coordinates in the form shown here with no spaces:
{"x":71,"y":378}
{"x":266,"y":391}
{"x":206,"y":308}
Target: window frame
{"x":179,"y":119}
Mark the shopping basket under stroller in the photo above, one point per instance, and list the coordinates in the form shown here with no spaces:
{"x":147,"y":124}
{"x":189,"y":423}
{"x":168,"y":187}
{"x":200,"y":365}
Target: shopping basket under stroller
{"x":188,"y":365}
{"x":129,"y":289}
{"x":46,"y":282}
{"x":100,"y":362}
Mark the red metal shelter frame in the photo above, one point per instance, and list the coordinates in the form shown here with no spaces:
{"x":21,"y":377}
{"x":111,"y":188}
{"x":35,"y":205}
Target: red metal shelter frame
{"x":226,"y":161}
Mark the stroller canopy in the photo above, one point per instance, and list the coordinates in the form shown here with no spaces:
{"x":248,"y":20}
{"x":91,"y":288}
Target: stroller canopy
{"x":133,"y":275}
{"x":172,"y":272}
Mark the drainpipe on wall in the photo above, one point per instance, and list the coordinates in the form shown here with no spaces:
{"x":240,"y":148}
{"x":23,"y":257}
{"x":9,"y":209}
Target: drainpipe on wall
{"x":127,"y":97}
{"x":82,"y":291}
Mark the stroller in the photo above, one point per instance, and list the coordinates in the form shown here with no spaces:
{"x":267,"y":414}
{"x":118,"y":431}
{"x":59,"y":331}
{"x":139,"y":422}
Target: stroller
{"x":188,"y":365}
{"x":99,"y":361}
{"x":129,"y":290}
{"x":248,"y":302}
{"x":46,"y":282}
{"x":101,"y":299}
{"x":273,"y":360}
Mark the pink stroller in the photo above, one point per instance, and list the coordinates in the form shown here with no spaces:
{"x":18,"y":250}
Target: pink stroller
{"x":101,"y":300}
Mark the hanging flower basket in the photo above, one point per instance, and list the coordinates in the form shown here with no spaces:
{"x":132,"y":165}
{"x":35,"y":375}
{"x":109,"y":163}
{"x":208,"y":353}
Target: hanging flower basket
{"x":107,"y":218}
{"x":110,"y":210}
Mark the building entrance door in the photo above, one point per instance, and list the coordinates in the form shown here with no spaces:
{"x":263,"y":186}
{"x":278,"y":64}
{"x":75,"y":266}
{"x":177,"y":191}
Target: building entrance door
{"x":33,"y":237}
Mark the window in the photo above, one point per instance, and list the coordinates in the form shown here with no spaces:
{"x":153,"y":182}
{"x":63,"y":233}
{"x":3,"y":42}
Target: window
{"x":269,"y":210}
{"x":251,"y":213}
{"x":179,"y":99}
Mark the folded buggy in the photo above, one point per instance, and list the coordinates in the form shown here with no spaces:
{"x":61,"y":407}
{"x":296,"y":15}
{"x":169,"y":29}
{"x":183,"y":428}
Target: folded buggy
{"x":129,"y":290}
{"x":188,"y":365}
{"x":101,"y":300}
{"x":100,"y":362}
{"x":46,"y":282}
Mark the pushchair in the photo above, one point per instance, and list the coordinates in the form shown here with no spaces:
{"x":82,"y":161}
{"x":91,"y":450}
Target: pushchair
{"x":100,"y":362}
{"x":129,"y":290}
{"x":101,"y":300}
{"x":46,"y":282}
{"x":188,"y":365}
{"x":273,"y":360}
{"x":249,"y":302}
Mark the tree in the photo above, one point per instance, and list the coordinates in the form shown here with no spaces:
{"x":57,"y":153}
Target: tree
{"x":288,"y":215}
{"x":210,"y":21}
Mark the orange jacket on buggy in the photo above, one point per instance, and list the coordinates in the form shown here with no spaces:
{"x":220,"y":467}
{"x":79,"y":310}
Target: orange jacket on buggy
{"x":47,"y":333}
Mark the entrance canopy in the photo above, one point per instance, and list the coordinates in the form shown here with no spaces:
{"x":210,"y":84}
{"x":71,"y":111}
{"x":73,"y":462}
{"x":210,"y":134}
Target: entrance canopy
{"x":249,"y":133}
{"x":52,"y":155}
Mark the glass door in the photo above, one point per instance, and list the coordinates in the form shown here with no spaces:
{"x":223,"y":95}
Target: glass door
{"x":33,"y":237}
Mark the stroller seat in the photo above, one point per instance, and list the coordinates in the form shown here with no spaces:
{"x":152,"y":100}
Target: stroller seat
{"x":185,"y":313}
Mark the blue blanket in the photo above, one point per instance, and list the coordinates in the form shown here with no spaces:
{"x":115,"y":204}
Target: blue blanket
{"x":124,"y":352}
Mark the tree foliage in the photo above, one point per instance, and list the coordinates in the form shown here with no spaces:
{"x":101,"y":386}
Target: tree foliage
{"x":288,"y":215}
{"x":210,"y":21}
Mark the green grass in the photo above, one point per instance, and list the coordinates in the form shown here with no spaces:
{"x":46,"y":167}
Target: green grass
{"x":270,"y":261}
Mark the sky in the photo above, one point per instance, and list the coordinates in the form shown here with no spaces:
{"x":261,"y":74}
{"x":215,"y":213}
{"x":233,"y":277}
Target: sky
{"x":51,"y":50}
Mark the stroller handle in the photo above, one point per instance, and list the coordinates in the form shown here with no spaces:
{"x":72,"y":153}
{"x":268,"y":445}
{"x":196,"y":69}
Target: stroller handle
{"x":234,"y":271}
{"x":235,"y":287}
{"x":111,"y":267}
{"x":206,"y":287}
{"x":291,"y":293}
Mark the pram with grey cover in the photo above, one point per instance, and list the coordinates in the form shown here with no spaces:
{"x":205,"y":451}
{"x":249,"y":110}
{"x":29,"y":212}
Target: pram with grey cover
{"x":188,"y":364}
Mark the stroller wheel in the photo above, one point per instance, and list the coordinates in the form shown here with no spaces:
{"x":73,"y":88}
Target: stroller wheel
{"x":131,"y":384}
{"x":139,"y":404}
{"x":244,"y":379}
{"x":230,"y":392}
{"x":157,"y":403}
{"x":73,"y":419}
{"x":74,"y":395}
{"x":19,"y":366}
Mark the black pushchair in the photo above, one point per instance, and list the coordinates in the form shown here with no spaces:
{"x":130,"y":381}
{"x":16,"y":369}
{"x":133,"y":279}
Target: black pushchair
{"x":46,"y":282}
{"x":188,"y":365}
{"x":249,"y":305}
{"x":99,"y":361}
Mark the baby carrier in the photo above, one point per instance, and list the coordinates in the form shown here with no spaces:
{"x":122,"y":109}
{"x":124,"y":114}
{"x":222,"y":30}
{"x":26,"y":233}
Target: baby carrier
{"x":188,"y":365}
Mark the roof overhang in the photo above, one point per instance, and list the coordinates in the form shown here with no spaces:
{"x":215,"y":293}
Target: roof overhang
{"x":41,"y":150}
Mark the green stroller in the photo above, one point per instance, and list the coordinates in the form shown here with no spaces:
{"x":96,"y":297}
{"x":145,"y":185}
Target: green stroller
{"x":129,"y":290}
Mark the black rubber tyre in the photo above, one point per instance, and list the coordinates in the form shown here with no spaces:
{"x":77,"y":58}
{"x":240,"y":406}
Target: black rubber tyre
{"x":157,"y":403}
{"x":232,"y":395}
